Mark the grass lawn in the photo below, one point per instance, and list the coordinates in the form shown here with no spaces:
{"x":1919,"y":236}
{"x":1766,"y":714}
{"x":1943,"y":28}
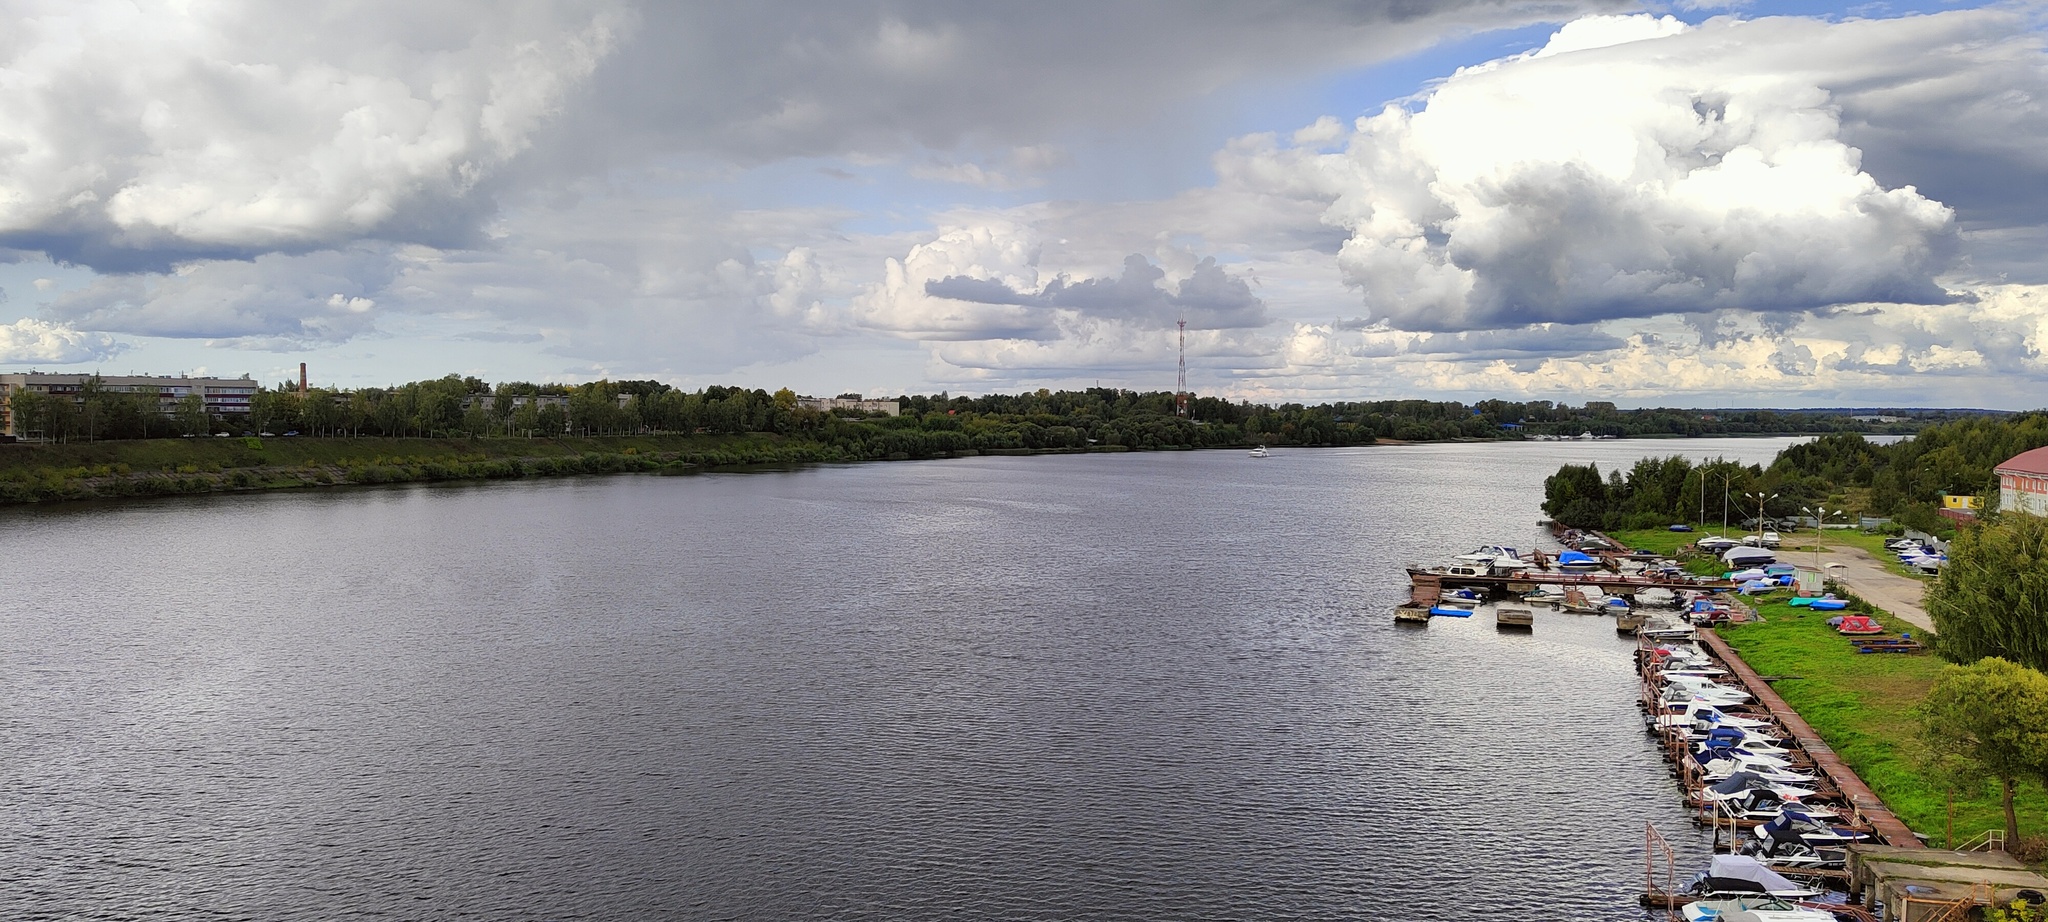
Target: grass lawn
{"x":1656,"y":540}
{"x":1862,"y":705}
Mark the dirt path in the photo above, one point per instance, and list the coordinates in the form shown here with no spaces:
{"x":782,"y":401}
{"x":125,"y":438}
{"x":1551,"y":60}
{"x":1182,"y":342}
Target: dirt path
{"x":1866,"y":576}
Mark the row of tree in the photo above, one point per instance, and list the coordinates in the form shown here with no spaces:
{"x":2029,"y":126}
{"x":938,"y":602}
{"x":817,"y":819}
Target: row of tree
{"x":1904,"y":480}
{"x":1987,"y":716}
{"x":464,"y":406}
{"x":99,"y":412}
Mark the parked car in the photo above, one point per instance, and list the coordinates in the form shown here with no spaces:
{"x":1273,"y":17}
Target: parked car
{"x":1680,"y":528}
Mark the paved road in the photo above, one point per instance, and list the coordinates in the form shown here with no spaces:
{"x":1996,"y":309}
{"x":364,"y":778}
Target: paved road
{"x":1866,"y":576}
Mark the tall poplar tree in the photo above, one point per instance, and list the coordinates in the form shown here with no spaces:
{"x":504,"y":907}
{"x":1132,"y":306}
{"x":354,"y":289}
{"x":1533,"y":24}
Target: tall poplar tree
{"x":1992,"y":598}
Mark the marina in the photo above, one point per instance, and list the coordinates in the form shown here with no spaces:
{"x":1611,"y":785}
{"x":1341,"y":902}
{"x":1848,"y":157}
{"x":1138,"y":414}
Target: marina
{"x":1795,"y":834}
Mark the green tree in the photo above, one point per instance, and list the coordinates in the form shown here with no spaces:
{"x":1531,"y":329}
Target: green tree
{"x":1992,"y":598}
{"x":526,"y":417}
{"x":552,"y":420}
{"x":192,"y":416}
{"x":29,"y":411}
{"x":1992,"y":714}
{"x":1576,"y":496}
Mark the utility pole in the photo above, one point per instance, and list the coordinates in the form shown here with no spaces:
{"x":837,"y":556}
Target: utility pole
{"x":1180,"y":393}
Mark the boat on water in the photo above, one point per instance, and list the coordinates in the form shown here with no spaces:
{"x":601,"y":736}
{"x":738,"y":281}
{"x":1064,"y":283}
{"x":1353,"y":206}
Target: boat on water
{"x":1628,"y":622}
{"x":1752,"y":909}
{"x":1460,"y":598}
{"x":1577,"y":562}
{"x":1261,"y":452}
{"x":1656,"y":597}
{"x":1491,"y":560}
{"x":1446,"y":611}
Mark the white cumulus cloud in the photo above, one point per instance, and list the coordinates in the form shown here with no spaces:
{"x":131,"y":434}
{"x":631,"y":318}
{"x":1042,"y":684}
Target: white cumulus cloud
{"x":1630,"y":168}
{"x":131,"y":135}
{"x":30,"y":341}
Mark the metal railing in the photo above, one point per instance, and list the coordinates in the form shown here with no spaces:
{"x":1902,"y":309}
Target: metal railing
{"x":1990,"y":840}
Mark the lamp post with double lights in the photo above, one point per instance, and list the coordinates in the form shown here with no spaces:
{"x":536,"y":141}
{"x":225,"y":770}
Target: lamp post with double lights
{"x":1761,"y":498}
{"x":1820,"y":518}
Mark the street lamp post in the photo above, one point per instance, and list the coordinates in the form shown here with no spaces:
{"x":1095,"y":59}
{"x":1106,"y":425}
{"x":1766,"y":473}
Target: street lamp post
{"x":1727,"y":482}
{"x":1820,"y":518}
{"x":1760,"y":500}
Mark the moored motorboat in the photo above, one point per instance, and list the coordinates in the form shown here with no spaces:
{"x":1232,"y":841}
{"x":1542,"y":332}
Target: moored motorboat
{"x":1260,"y":452}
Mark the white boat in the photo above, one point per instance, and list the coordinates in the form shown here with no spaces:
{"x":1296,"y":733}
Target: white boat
{"x":1751,"y":909}
{"x":1496,"y":558}
{"x":1546,"y":594}
{"x":1741,"y":876}
{"x":1260,"y":452}
{"x":1656,"y":597}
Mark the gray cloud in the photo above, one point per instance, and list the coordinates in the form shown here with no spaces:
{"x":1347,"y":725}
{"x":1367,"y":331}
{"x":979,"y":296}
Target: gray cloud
{"x":757,"y":83}
{"x":1209,"y":298}
{"x":276,"y":300}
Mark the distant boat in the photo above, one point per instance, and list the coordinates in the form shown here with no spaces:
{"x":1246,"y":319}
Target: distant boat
{"x":1261,"y":452}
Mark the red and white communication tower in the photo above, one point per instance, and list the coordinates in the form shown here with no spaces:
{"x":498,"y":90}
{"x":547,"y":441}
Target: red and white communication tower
{"x":1180,"y":392}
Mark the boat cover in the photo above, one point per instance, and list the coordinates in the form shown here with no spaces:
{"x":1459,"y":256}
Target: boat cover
{"x":1565,"y":557}
{"x":1749,"y":556}
{"x":1751,"y":573}
{"x":1741,"y":872}
{"x":1737,"y":783}
{"x":1829,"y":604}
{"x":1859,"y":624}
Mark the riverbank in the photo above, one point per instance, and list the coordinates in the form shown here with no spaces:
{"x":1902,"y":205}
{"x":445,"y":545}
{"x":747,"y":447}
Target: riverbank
{"x":36,"y":473}
{"x":1862,"y":705}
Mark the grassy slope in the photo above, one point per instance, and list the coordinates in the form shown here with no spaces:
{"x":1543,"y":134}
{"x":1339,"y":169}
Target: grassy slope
{"x":159,"y":467}
{"x":1862,"y":705}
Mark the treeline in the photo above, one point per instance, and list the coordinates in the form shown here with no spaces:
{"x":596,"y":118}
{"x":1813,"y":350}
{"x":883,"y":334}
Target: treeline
{"x":467,"y":407}
{"x":1904,"y":480}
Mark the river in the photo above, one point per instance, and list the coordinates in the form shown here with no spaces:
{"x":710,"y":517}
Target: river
{"x":1140,"y":686}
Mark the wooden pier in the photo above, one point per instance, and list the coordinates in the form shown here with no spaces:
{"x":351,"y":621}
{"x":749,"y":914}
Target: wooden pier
{"x":1860,"y":798}
{"x":1427,"y":586}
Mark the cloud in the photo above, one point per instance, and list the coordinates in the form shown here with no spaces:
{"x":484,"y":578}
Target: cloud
{"x":132,"y":139}
{"x":757,"y":83}
{"x":30,"y":341}
{"x":1209,"y":298}
{"x":272,"y":301}
{"x":1628,"y":168}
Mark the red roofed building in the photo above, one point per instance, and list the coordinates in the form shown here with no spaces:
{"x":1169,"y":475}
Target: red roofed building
{"x":2023,"y":482}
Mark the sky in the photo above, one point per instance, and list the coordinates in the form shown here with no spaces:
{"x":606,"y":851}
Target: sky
{"x":1776,"y":205}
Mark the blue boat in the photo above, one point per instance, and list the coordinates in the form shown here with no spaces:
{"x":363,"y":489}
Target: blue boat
{"x":1576,"y":562}
{"x":1829,"y":604}
{"x":1445,"y":611}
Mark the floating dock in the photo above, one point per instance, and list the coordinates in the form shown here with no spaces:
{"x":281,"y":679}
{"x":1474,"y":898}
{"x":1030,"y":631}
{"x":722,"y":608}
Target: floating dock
{"x":1427,"y":586}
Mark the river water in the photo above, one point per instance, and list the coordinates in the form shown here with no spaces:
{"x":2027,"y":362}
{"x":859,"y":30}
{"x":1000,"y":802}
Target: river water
{"x":1144,"y":686}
